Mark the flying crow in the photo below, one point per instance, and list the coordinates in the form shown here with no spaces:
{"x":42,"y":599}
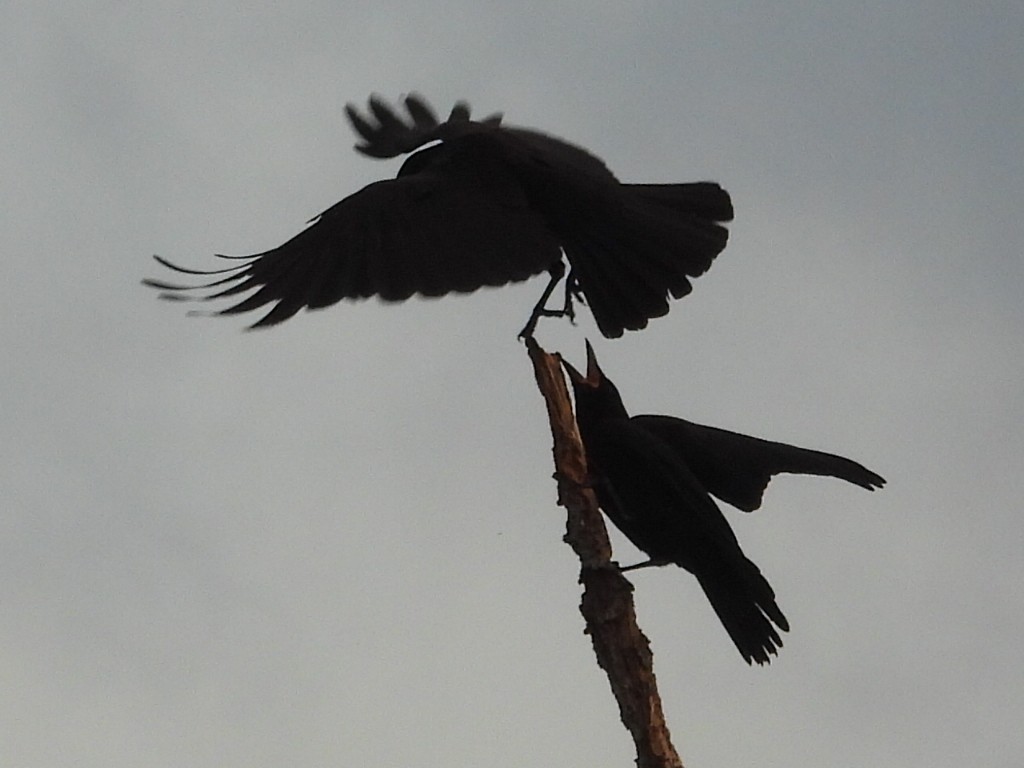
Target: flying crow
{"x":479,"y":203}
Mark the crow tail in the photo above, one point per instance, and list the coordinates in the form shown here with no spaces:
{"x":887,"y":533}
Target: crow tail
{"x":631,"y":255}
{"x":745,"y":604}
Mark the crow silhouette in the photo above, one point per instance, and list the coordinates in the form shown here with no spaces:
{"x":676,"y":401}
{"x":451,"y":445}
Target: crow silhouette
{"x":483,"y":204}
{"x":653,"y":476}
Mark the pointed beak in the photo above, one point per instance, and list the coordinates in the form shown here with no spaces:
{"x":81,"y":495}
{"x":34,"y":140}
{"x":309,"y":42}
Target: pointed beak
{"x":594,"y":376}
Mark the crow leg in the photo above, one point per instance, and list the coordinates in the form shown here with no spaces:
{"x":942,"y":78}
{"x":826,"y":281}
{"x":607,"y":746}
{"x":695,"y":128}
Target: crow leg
{"x":572,"y":291}
{"x":557,"y":272}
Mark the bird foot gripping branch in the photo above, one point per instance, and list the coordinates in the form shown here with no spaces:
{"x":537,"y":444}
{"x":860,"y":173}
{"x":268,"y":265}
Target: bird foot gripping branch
{"x":567,"y":309}
{"x":478,"y":203}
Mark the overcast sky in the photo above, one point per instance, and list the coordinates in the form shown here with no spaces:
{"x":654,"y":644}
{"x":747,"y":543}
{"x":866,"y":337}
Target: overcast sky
{"x":335,"y":543}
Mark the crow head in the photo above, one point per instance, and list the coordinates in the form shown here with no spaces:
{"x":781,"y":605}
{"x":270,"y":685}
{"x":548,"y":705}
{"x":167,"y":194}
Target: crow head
{"x":595,"y":394}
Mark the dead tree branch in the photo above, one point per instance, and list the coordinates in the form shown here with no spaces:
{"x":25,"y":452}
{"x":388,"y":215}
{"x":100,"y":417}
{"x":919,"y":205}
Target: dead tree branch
{"x":622,"y":650}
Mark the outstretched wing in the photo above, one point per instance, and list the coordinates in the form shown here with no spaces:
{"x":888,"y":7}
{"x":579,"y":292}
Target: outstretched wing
{"x":459,"y":223}
{"x":737,"y":468}
{"x":385,"y":134}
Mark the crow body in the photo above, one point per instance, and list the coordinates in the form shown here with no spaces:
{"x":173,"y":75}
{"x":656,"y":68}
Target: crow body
{"x":654,"y":477}
{"x":481,"y":204}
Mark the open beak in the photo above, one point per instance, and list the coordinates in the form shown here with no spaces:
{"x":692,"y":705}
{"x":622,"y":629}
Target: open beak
{"x":594,"y":375}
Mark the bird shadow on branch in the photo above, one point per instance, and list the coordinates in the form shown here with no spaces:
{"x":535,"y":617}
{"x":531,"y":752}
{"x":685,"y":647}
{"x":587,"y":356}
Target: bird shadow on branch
{"x":622,"y":650}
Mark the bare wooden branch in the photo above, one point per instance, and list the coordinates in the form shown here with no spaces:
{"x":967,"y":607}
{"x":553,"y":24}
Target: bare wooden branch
{"x":622,"y":650}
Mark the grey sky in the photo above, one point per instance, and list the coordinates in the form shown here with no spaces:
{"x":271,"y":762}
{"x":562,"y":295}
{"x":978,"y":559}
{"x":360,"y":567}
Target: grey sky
{"x":336,"y":542}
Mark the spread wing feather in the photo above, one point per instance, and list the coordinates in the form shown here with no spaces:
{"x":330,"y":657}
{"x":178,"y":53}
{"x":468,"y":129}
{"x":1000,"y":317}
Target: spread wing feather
{"x":737,"y":468}
{"x":446,"y":229}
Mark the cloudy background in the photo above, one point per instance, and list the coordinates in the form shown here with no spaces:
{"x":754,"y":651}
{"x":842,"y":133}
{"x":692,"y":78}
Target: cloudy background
{"x":336,"y":542}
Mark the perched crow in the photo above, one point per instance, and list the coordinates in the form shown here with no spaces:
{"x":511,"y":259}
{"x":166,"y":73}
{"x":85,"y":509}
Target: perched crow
{"x":484,"y":205}
{"x":653,"y":476}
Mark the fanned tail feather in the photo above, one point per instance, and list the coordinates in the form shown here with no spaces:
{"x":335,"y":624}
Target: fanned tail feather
{"x":630,"y":259}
